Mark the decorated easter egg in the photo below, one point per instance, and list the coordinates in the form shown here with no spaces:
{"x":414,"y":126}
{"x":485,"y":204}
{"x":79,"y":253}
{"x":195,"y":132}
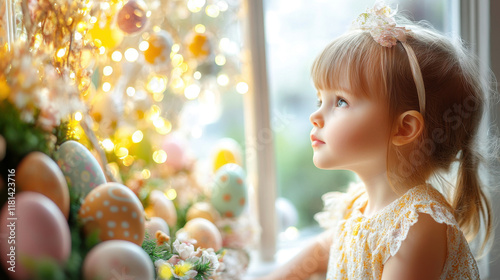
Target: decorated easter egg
{"x":202,"y":210}
{"x":37,"y":172}
{"x":160,"y":46}
{"x":81,"y":169}
{"x":117,"y":259}
{"x":105,"y":34}
{"x":206,"y":234}
{"x":229,"y":191}
{"x":115,"y":211}
{"x":132,"y":16}
{"x":226,"y":150}
{"x":199,"y":45}
{"x":155,"y":224}
{"x":33,"y":228}
{"x":160,"y":206}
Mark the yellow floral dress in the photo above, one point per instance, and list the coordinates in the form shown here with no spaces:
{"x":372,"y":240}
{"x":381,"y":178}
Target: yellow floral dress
{"x":362,"y":245}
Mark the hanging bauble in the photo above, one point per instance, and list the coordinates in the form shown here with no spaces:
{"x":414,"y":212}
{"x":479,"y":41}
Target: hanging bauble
{"x":105,"y":34}
{"x":160,"y":46}
{"x":132,"y":17}
{"x":199,"y":45}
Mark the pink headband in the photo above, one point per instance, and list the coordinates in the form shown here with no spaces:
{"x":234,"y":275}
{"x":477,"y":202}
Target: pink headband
{"x":382,"y":26}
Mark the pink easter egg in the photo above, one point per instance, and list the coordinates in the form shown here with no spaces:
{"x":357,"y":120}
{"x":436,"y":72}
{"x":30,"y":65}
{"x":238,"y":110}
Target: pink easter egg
{"x":34,"y":228}
{"x":175,"y":149}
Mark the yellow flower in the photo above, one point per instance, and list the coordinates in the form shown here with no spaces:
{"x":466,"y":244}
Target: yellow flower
{"x":165,"y":271}
{"x":182,"y":268}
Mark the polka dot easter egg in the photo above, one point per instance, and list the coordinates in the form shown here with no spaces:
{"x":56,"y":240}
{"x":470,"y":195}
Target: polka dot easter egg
{"x":81,"y":169}
{"x":229,"y":192}
{"x":115,"y":211}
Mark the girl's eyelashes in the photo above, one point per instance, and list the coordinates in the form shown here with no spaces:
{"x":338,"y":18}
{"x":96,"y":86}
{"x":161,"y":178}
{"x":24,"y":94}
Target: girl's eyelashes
{"x":341,"y":102}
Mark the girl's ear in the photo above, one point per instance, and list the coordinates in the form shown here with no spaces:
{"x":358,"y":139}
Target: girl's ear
{"x":408,"y":127}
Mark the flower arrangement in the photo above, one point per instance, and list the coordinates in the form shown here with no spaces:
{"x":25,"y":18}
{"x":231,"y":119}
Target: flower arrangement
{"x":382,"y":26}
{"x":181,"y":260}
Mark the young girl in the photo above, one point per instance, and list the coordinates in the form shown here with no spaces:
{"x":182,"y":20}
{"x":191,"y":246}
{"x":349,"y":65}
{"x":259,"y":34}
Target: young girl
{"x":398,"y":105}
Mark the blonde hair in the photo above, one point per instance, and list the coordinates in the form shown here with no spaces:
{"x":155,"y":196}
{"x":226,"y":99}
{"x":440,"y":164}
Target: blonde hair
{"x":455,"y":99}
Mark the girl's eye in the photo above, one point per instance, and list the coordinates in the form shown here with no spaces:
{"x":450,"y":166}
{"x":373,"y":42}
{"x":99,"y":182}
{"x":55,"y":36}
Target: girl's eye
{"x":341,"y":103}
{"x":319,"y":103}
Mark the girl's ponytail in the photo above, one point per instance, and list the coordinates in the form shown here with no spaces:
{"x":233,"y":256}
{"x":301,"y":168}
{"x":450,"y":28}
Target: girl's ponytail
{"x":469,"y":200}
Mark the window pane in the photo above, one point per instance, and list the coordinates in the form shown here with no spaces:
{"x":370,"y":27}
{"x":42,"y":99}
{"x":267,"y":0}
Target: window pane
{"x":297,"y":30}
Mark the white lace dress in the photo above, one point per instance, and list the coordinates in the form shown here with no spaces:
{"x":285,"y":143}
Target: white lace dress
{"x":362,"y":245}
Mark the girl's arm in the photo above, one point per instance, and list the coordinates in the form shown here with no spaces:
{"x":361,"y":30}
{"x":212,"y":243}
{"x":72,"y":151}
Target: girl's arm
{"x":311,"y":260}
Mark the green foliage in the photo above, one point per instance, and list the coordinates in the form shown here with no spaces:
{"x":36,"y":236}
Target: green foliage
{"x":155,"y":251}
{"x":203,"y":269}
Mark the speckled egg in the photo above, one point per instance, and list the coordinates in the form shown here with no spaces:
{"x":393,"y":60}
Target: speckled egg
{"x":229,"y":192}
{"x":115,"y":211}
{"x":81,"y":169}
{"x":117,"y":259}
{"x":37,"y":172}
{"x":206,"y":234}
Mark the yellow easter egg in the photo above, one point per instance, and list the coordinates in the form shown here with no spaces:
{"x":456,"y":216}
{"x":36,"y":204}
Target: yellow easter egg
{"x":115,"y":211}
{"x":160,"y":206}
{"x":226,"y":150}
{"x":206,"y":234}
{"x":203,"y":210}
{"x":106,"y":35}
{"x":37,"y":172}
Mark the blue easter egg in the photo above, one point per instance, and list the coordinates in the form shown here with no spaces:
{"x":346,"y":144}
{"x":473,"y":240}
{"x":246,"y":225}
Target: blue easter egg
{"x":82,"y":171}
{"x":229,"y":192}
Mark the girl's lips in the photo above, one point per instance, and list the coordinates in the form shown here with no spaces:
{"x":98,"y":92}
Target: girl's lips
{"x":315,"y":141}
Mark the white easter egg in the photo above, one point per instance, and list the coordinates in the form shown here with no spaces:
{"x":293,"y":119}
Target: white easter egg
{"x":155,"y":224}
{"x":117,"y":259}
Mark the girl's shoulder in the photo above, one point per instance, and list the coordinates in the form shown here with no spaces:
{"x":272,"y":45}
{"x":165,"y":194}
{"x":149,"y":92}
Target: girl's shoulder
{"x":422,"y":216}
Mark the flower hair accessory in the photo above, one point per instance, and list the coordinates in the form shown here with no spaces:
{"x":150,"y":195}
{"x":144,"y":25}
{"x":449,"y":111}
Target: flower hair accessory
{"x":382,"y":26}
{"x":380,"y":22}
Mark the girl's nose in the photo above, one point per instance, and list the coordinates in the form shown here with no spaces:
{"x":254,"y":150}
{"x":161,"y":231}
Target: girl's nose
{"x":316,"y":119}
